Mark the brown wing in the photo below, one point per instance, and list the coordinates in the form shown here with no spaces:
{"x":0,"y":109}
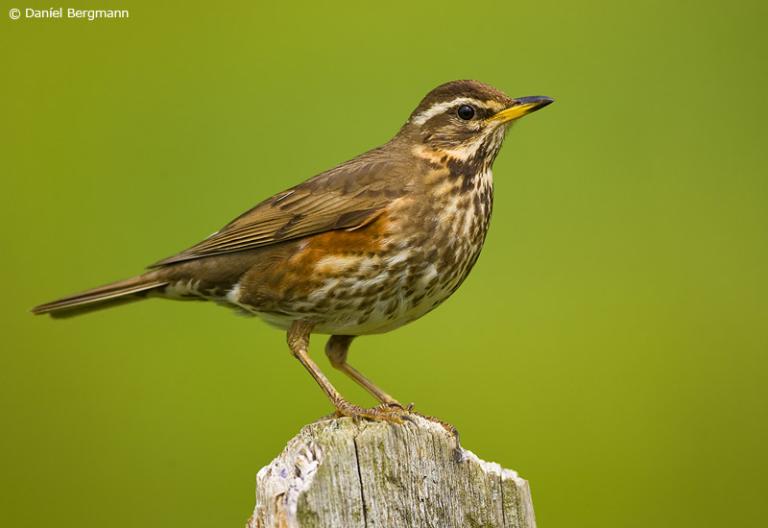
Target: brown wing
{"x":347,"y":197}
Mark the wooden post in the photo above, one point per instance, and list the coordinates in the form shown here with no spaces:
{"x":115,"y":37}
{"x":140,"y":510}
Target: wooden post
{"x":338,"y":473}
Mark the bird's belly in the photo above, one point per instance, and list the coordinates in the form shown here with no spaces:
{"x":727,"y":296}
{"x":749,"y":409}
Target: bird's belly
{"x":358,"y":286}
{"x":362,"y":295}
{"x":375,"y":295}
{"x":352,"y":322}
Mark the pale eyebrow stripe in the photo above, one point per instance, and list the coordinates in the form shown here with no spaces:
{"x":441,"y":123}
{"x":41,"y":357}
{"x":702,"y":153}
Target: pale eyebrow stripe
{"x":439,"y":108}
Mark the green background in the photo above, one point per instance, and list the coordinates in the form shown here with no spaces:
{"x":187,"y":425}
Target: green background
{"x":610,"y":345}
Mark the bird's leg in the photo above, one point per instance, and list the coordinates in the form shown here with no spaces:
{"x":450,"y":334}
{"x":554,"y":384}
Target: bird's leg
{"x":298,"y":341}
{"x":337,"y":349}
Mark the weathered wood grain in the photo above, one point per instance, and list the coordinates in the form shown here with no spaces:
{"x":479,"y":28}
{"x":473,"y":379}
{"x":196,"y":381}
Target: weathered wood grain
{"x":338,"y":473}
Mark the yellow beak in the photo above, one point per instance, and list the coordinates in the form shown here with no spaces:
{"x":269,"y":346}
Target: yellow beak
{"x":520,"y":107}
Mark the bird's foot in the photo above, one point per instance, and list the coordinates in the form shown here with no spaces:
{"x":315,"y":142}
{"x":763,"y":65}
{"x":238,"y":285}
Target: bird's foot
{"x":386,"y":412}
{"x":449,"y":428}
{"x":391,"y":402}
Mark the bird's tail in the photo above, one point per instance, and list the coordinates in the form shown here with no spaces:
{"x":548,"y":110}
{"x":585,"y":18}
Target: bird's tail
{"x":105,"y":296}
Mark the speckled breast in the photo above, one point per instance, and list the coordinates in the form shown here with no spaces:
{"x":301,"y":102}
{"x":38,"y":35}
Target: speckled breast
{"x":391,"y":272}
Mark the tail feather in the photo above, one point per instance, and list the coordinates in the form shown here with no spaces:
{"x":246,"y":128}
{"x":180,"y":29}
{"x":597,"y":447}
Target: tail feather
{"x":102,"y":297}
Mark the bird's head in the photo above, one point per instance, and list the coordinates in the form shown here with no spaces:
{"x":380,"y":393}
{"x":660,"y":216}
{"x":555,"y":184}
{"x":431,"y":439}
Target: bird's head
{"x":466,"y":120}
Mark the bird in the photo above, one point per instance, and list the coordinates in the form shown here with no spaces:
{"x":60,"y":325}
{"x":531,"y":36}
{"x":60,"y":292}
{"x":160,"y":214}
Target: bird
{"x":363,"y":248}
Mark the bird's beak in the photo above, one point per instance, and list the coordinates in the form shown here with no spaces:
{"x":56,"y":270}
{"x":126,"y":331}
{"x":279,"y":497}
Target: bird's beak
{"x":520,"y":107}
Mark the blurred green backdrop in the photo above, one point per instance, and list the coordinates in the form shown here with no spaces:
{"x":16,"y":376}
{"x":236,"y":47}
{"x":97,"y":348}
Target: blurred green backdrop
{"x":610,"y":345}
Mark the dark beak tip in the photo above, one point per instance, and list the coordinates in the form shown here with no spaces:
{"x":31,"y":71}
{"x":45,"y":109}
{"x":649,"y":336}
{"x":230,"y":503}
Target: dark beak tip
{"x":540,"y":101}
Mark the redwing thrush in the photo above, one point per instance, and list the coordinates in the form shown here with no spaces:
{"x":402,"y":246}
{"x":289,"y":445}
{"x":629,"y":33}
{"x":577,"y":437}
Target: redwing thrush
{"x":363,"y":248}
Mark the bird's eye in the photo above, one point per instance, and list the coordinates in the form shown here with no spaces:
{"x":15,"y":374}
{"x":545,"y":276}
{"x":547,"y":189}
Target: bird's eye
{"x":466,"y":112}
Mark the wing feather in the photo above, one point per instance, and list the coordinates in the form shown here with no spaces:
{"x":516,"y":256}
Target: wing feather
{"x":347,"y":197}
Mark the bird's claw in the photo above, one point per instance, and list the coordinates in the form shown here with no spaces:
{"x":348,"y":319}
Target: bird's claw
{"x":386,"y":412}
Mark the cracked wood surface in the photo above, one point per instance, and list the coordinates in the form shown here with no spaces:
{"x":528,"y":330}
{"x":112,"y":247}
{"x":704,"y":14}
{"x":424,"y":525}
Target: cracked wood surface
{"x":338,"y":473}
